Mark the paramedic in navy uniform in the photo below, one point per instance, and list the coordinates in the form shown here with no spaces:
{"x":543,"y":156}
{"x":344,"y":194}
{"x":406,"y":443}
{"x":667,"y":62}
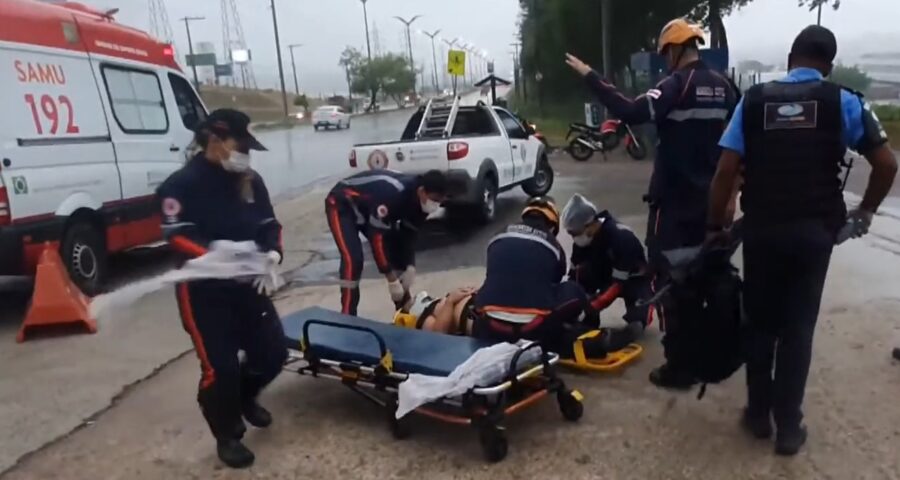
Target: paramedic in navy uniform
{"x":790,"y":137}
{"x":217,"y":196}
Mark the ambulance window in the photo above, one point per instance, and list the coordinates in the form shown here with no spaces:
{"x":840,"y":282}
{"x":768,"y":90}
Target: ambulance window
{"x":189,"y":106}
{"x":137,"y":100}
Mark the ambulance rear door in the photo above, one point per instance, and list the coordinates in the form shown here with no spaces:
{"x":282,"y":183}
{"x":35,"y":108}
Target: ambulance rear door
{"x":55,"y":146}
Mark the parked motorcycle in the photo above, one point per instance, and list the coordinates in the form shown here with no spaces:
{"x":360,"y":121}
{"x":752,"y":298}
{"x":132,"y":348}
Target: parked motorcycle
{"x":587,"y":141}
{"x":613,"y":131}
{"x":590,"y":140}
{"x":532,"y":130}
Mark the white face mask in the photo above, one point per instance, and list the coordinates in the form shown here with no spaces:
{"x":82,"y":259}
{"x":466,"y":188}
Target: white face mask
{"x":430,"y":206}
{"x":582,"y":240}
{"x":238,"y":162}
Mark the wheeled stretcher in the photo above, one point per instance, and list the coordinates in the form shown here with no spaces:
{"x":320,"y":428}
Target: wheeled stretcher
{"x":373,"y":358}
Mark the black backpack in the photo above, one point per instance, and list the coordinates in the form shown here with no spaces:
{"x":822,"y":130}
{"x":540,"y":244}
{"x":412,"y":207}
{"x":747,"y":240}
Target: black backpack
{"x":713,"y":333}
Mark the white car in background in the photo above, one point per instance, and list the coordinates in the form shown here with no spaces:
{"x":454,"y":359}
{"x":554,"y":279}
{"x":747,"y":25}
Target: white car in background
{"x":330,"y":116}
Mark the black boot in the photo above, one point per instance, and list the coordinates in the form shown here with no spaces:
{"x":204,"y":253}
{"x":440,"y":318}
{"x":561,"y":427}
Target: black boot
{"x":668,"y":377}
{"x":789,"y":441}
{"x":256,"y":415}
{"x":760,"y":426}
{"x":234,"y":454}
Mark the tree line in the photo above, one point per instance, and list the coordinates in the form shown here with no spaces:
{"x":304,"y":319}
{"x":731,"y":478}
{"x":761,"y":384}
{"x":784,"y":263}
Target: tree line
{"x":551,"y":28}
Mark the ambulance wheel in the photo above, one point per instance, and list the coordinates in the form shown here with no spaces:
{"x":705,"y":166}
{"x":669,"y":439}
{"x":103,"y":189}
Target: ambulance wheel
{"x":570,"y":406}
{"x":493,"y":443}
{"x":84,"y":254}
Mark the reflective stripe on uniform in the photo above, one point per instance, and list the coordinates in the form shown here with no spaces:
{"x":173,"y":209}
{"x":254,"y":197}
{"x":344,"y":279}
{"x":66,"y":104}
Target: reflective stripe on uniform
{"x":620,"y":275}
{"x":267,"y":221}
{"x":698,"y":114}
{"x":377,"y":223}
{"x":354,"y":182}
{"x":532,"y":238}
{"x":348,"y":283}
{"x":518,"y":318}
{"x":168,"y":227}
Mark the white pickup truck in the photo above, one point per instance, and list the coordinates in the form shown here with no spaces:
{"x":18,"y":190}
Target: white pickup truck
{"x":484,"y":150}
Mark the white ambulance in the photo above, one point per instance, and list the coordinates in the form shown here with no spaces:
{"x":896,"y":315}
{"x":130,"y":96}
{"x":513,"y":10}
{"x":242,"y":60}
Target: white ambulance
{"x":93,"y":117}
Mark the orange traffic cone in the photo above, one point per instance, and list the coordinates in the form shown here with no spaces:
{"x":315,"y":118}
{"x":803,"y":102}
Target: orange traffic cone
{"x":56,"y":300}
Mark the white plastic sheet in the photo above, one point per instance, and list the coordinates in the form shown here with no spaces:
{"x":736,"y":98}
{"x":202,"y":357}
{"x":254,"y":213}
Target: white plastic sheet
{"x":485,"y":367}
{"x":225,"y":260}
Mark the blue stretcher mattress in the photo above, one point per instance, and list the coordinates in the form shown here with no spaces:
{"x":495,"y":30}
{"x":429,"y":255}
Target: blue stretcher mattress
{"x":414,"y":351}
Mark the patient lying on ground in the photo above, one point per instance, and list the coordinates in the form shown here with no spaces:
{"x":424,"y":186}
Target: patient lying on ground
{"x":454,"y":314}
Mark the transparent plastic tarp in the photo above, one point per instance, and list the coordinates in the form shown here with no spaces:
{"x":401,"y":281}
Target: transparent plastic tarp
{"x":487,"y":366}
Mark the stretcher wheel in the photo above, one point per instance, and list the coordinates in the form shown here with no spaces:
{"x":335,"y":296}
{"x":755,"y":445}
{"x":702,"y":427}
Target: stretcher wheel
{"x":399,"y":426}
{"x":493,"y":443}
{"x":570,"y":405}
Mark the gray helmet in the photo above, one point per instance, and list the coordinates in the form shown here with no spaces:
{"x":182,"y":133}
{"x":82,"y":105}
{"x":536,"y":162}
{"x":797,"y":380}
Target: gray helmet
{"x":579,"y":213}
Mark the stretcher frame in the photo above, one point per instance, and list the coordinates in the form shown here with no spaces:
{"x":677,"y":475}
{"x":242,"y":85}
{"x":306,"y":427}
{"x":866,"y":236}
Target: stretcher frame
{"x":612,"y":362}
{"x":483,"y":408}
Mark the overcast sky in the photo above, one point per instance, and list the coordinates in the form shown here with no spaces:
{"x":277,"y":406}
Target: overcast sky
{"x":762,"y":31}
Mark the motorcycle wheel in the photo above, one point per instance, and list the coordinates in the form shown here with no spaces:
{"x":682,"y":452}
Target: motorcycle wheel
{"x":637,"y":151}
{"x":580,"y":152}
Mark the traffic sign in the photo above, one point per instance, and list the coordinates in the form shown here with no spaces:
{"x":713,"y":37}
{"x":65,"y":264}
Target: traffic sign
{"x":456,"y":63}
{"x":226,"y":70}
{"x":201,"y":60}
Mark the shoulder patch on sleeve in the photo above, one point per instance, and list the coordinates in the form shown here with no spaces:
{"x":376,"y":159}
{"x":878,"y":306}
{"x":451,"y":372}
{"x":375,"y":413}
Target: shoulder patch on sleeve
{"x":171,"y":208}
{"x":382,"y":211}
{"x":654,"y":93}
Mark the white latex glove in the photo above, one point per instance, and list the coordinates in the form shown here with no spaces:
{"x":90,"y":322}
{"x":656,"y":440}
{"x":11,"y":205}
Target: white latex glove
{"x":858,"y":223}
{"x":270,"y":282}
{"x":396,"y":290}
{"x":408,"y":277}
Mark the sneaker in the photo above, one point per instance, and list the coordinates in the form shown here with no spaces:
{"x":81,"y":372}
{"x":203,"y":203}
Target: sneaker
{"x":760,"y":426}
{"x":234,"y":454}
{"x":668,"y":377}
{"x":257,"y":416}
{"x":788,"y":442}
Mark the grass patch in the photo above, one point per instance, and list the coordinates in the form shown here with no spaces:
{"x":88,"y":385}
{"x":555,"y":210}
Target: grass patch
{"x":893,"y":130}
{"x":552,"y":119}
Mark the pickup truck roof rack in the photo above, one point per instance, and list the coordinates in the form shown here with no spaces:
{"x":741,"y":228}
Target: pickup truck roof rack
{"x":438,"y":120}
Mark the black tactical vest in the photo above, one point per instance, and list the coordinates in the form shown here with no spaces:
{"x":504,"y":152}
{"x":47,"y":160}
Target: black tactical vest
{"x":794,"y":151}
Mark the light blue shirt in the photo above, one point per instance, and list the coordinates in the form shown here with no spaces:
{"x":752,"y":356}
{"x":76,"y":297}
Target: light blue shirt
{"x":851,"y":105}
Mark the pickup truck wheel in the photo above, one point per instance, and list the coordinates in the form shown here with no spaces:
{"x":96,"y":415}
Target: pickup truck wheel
{"x":542,"y":182}
{"x":487,"y":208}
{"x":84,"y":254}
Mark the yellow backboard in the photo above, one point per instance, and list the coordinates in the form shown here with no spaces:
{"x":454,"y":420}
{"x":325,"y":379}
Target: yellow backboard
{"x":456,"y":63}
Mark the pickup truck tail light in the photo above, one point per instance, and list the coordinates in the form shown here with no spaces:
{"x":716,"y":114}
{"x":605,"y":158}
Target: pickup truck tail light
{"x":352,"y":158}
{"x":457,"y":150}
{"x":5,"y":218}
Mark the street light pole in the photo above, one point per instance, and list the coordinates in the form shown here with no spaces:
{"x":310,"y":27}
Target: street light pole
{"x":294,"y":66}
{"x":516,"y":66}
{"x":433,"y":35}
{"x":187,"y":26}
{"x":284,"y":99}
{"x":412,"y":62}
{"x":819,"y":22}
{"x":366,"y":19}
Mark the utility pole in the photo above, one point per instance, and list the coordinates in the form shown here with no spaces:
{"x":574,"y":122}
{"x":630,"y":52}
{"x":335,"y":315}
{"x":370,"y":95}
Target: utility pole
{"x":516,"y":66}
{"x":412,"y":62}
{"x":187,"y":26}
{"x":606,"y":20}
{"x":432,"y":36}
{"x":294,"y":66}
{"x":819,"y":22}
{"x":366,"y":19}
{"x":284,"y":99}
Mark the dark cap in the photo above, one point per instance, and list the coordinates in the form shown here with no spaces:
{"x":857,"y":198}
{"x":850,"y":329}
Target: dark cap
{"x":229,"y":123}
{"x":816,"y":43}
